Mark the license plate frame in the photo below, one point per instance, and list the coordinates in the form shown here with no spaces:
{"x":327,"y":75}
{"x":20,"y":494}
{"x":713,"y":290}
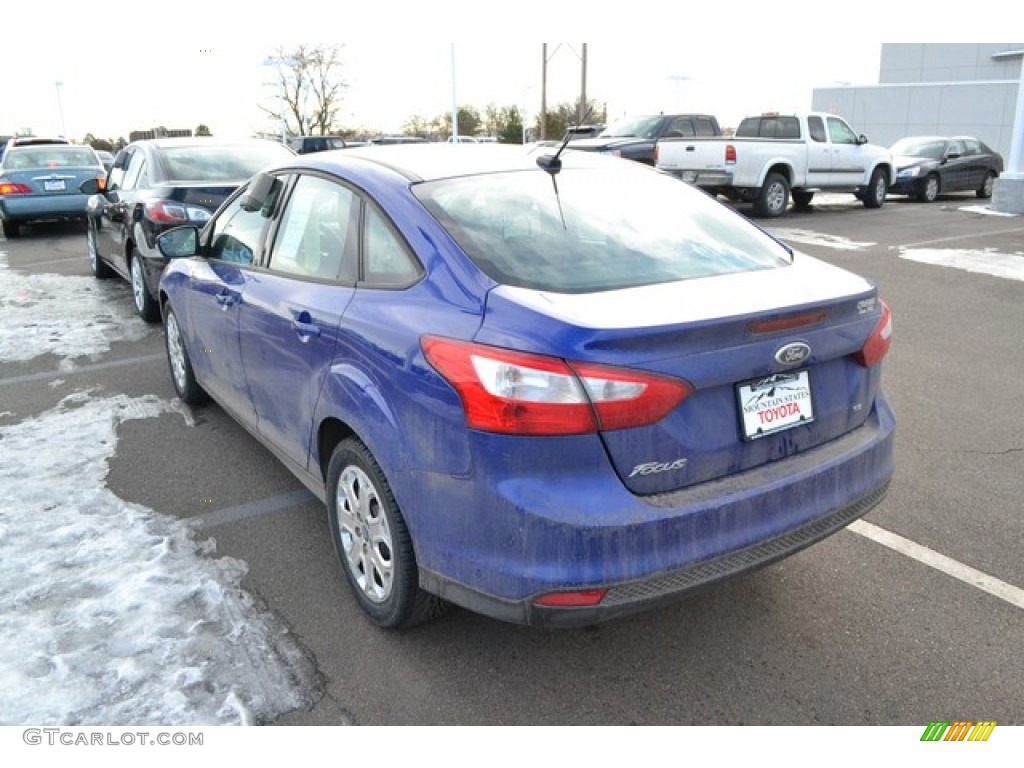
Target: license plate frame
{"x":774,"y":403}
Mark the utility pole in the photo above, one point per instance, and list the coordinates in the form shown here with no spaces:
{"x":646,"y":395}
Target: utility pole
{"x":543,"y":91}
{"x":583,"y":86}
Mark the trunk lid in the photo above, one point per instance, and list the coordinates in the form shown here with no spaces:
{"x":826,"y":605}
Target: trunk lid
{"x":770,"y":355}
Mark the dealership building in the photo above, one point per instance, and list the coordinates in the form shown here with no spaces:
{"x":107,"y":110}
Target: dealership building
{"x":940,"y":89}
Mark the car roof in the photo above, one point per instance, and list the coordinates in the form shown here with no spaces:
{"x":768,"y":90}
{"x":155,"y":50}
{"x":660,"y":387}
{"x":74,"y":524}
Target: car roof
{"x":26,"y":141}
{"x":198,"y":141}
{"x":432,"y":161}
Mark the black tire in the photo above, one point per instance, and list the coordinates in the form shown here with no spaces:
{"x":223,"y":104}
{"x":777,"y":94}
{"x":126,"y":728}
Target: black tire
{"x":773,"y":200}
{"x":874,"y":195}
{"x":182,"y":375}
{"x":985,"y":190}
{"x":928,"y":192}
{"x":145,"y":304}
{"x":12,"y":229}
{"x":372,"y":541}
{"x":99,"y":268}
{"x":801,"y":199}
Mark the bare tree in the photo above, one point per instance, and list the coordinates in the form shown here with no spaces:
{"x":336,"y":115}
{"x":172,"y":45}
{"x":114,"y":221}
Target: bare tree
{"x":309,"y":89}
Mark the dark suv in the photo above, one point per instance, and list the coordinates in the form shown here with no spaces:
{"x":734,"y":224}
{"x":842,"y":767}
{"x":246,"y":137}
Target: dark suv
{"x":306,"y":144}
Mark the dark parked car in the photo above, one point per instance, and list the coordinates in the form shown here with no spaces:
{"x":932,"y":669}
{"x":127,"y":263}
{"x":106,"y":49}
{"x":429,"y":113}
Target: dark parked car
{"x":927,"y":166}
{"x":156,"y":184}
{"x":542,"y":399}
{"x":636,"y":137}
{"x":40,"y":180}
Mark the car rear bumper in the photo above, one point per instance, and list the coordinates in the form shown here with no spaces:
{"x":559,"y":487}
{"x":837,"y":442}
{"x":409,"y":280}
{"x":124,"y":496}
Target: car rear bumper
{"x":662,"y":547}
{"x":28,"y":208}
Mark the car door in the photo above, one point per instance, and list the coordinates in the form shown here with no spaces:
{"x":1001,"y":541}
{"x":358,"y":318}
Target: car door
{"x":216,"y":286}
{"x":819,"y":153}
{"x":290,"y":311}
{"x":848,"y":165}
{"x":111,"y":207}
{"x":954,"y":170}
{"x":976,"y":165}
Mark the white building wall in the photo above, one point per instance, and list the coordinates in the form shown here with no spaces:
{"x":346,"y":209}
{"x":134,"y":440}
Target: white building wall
{"x":933,"y":89}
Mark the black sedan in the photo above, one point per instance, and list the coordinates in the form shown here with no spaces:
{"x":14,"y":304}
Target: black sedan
{"x":927,"y":166}
{"x":156,"y":184}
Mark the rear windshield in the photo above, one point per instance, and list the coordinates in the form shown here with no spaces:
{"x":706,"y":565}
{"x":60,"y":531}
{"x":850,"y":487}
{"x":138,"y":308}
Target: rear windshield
{"x":221,"y":163}
{"x":769,"y":127}
{"x":49,"y":156}
{"x":603,"y":229}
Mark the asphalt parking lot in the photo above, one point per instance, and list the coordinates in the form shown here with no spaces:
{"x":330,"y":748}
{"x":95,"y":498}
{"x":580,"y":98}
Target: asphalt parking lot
{"x":912,"y":615}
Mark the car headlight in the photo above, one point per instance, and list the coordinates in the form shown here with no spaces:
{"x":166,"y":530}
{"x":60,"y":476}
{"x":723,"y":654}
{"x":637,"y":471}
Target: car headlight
{"x":908,"y":173}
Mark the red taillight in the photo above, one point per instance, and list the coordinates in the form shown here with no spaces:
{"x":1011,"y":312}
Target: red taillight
{"x":13,"y":188}
{"x":581,"y":599}
{"x":878,"y":343}
{"x":520,"y":393}
{"x":730,"y":154}
{"x":166,"y":212}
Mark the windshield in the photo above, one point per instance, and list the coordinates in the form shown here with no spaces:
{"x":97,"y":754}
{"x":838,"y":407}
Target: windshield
{"x":605,"y":229}
{"x":644,"y":127}
{"x":933,"y":148}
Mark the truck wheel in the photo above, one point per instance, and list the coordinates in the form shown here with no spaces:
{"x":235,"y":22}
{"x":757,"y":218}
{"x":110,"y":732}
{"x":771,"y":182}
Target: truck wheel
{"x":802,"y":199}
{"x":774,"y":197}
{"x":874,"y":195}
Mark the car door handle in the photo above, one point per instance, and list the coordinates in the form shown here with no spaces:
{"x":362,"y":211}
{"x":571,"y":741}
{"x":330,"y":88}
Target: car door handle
{"x":226,"y":298}
{"x":304,"y":326}
{"x":305,"y":329}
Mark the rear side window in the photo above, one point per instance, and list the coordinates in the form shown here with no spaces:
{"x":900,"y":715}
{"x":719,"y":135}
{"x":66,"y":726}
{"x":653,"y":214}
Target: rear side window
{"x":816,"y":127}
{"x":598,"y":230}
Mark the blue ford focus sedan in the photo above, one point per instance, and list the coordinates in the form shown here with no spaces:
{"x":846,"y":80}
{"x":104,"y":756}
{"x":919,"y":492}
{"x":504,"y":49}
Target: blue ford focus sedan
{"x":548,"y":386}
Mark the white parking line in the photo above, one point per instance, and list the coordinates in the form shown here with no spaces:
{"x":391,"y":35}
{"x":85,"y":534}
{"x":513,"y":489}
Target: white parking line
{"x":1006,"y":592}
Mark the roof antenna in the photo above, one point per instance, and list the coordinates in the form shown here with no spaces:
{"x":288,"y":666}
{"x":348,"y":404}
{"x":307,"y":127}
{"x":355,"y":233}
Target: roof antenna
{"x":551,"y":163}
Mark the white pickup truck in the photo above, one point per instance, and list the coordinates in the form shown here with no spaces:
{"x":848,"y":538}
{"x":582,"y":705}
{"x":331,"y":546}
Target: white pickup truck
{"x":774,"y":157}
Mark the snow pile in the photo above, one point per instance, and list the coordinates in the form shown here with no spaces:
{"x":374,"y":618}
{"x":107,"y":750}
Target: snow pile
{"x":112,"y":614}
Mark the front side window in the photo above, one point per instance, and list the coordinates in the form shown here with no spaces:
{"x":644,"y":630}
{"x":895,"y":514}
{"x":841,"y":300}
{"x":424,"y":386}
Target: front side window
{"x":839,"y":132}
{"x":133,"y":171}
{"x":237,"y":232}
{"x":595,"y":229}
{"x":314,"y":235}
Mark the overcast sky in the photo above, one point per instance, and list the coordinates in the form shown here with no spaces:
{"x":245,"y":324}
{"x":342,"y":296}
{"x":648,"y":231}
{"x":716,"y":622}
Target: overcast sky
{"x":119,"y":74}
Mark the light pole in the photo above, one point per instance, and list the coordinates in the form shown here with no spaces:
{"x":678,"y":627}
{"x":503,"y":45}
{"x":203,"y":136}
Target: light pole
{"x":60,"y":109}
{"x":679,"y":79}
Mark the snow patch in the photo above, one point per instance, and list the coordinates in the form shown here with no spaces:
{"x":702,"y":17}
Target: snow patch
{"x":808,"y":237}
{"x":987,"y":261}
{"x":66,"y":315}
{"x":112,"y":614}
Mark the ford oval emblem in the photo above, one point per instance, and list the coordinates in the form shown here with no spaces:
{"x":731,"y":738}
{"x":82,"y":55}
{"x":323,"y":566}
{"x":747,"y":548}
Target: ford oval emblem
{"x":793,"y":354}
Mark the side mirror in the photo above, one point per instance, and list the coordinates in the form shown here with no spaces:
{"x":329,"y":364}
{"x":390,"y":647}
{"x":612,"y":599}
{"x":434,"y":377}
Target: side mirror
{"x":952,"y":155}
{"x":862,"y":139}
{"x":261,"y":188}
{"x":179,"y":243}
